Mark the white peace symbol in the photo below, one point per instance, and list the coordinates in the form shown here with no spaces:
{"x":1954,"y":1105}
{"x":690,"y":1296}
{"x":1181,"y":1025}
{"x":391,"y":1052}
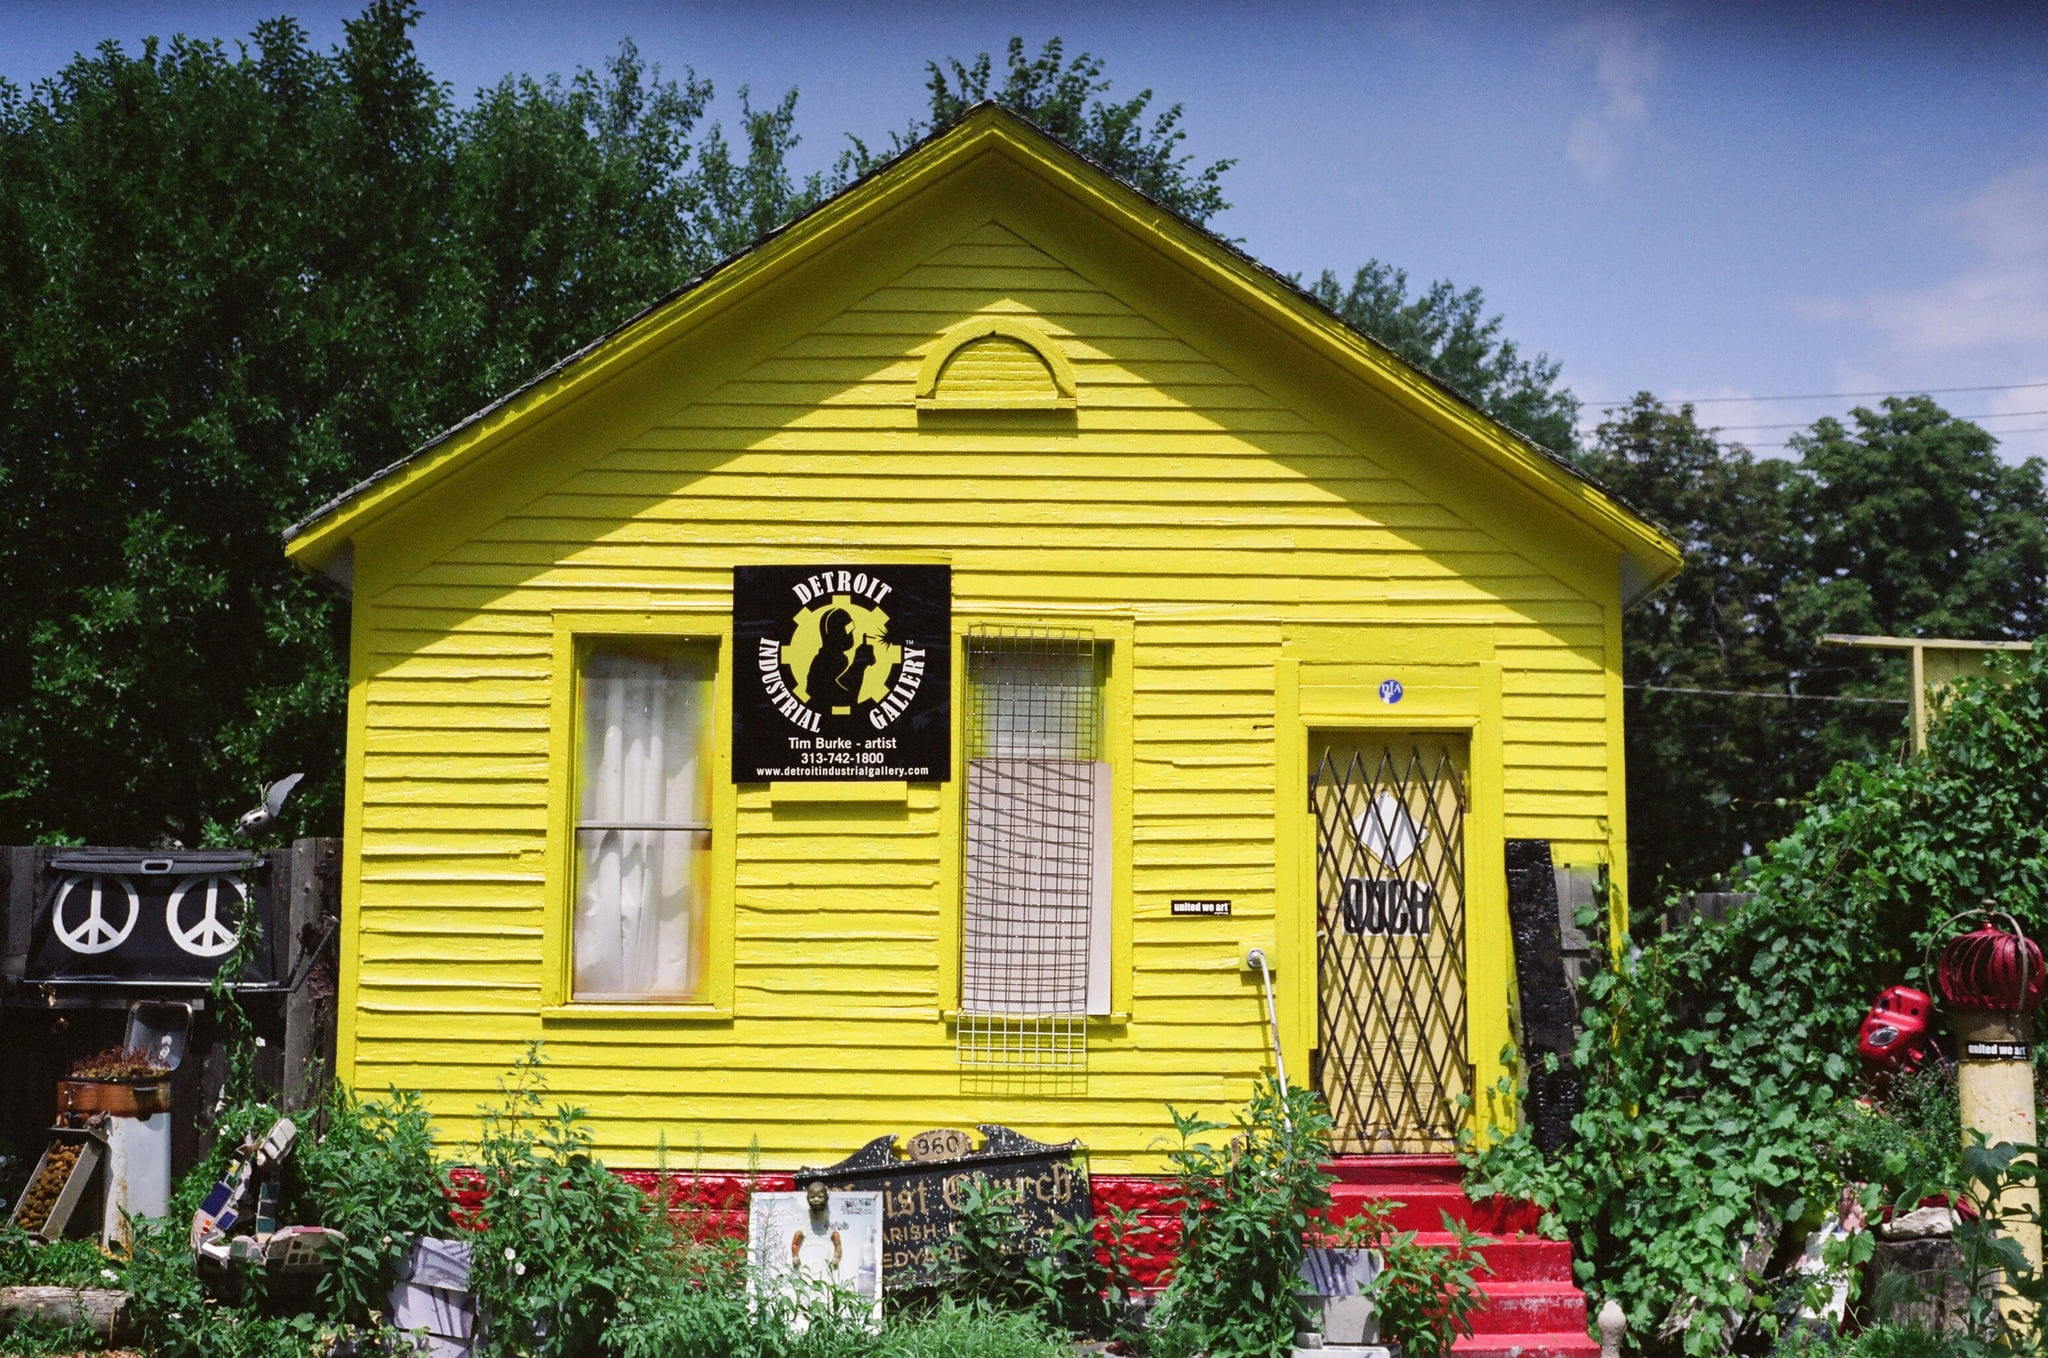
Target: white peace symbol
{"x":208,"y":936}
{"x":93,"y":933}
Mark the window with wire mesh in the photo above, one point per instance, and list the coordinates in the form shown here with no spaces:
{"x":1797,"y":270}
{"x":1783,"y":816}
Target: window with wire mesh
{"x":1036,"y":909}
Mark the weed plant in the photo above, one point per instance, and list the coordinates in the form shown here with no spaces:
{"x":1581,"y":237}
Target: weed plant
{"x":1424,"y":1294}
{"x":1907,"y":1142}
{"x":1246,"y":1206}
{"x":61,"y":1263}
{"x":29,"y":1337}
{"x":1991,"y":1273}
{"x":365,"y":1167}
{"x":565,"y":1247}
{"x":724,"y":1322}
{"x":571,"y":1261}
{"x":118,"y":1063}
{"x":1068,"y":1278}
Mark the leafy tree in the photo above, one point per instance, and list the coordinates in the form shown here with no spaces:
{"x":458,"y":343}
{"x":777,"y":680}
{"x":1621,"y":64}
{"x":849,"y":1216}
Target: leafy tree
{"x":1909,"y":525}
{"x":1915,"y":523}
{"x":231,"y":285}
{"x":234,"y":283}
{"x":1066,"y":98}
{"x":1446,"y":331}
{"x":1701,"y":787}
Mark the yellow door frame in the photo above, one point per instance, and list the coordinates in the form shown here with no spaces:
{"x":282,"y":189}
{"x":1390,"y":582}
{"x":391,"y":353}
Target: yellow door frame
{"x":1437,"y":702}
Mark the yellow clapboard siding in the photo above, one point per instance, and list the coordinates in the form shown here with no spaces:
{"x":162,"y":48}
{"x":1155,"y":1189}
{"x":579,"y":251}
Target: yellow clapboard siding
{"x":1184,"y":493}
{"x":599,"y":520}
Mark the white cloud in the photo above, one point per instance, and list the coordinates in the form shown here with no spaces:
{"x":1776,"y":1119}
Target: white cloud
{"x":2000,"y":297}
{"x":1624,"y":64}
{"x":1849,"y":376}
{"x":1716,"y":395}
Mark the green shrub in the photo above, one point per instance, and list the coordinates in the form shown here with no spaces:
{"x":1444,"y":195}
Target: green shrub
{"x":984,"y":1258}
{"x":1879,"y":1341}
{"x":28,"y":1337}
{"x":956,"y":1331}
{"x":716,"y":1318}
{"x":1245,"y":1207}
{"x":1713,"y":1059}
{"x":367,"y":1168}
{"x":1067,"y":1278}
{"x":1908,"y":1144}
{"x":61,"y":1263}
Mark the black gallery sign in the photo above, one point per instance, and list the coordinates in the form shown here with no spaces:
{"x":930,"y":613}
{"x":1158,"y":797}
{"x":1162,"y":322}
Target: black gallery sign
{"x":842,"y":672}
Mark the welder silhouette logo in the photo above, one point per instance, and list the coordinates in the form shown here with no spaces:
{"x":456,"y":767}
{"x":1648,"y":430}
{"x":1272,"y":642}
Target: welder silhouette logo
{"x":839,"y":656}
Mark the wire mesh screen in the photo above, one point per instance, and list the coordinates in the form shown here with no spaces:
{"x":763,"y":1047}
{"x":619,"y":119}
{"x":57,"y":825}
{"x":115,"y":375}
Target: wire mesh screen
{"x":1036,"y":880}
{"x":1390,"y":941}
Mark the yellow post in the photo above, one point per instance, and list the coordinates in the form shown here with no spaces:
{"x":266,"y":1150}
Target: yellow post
{"x":1992,"y":979}
{"x":1995,"y":1085}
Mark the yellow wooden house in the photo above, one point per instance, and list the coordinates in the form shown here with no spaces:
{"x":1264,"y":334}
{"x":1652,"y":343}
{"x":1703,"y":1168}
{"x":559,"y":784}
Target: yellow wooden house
{"x":895,"y":681}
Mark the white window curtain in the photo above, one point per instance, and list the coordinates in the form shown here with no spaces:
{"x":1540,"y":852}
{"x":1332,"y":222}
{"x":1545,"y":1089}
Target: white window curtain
{"x":643,"y":825}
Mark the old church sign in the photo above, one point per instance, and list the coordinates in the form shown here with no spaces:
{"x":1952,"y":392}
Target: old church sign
{"x":843,"y":672}
{"x":921,"y":1193}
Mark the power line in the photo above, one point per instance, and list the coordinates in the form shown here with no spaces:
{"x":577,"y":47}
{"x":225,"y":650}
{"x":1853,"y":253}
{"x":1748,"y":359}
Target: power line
{"x":1843,"y":395}
{"x":2001,"y":433}
{"x":1760,"y":693}
{"x":1801,"y":424}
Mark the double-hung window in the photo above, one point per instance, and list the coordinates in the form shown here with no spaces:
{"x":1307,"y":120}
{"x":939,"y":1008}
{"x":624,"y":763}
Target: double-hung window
{"x":643,"y":821}
{"x":1038,"y":808}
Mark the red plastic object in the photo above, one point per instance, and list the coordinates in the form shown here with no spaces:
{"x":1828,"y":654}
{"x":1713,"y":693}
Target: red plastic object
{"x":1894,"y":1037}
{"x":1993,"y":971}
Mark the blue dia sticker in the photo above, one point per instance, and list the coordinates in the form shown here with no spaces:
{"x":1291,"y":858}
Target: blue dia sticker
{"x":1390,"y":691}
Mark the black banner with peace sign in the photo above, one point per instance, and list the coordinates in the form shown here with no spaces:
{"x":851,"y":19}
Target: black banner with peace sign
{"x":135,"y":915}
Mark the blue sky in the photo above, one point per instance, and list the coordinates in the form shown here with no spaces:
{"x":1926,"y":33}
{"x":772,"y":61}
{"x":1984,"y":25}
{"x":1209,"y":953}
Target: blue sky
{"x":1707,"y":201}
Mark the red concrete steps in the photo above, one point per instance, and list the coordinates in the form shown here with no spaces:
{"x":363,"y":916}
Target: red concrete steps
{"x":1533,"y":1307}
{"x":1423,"y":1207}
{"x":1516,"y":1258}
{"x":1526,"y":1346}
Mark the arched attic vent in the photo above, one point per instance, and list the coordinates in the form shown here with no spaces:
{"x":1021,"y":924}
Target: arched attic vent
{"x":994,"y":363}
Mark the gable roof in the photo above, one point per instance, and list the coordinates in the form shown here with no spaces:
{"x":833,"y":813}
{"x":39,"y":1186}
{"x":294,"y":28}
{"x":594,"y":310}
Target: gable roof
{"x":322,"y":540}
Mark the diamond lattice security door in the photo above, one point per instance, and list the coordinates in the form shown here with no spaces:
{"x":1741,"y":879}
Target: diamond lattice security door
{"x":1390,"y":939}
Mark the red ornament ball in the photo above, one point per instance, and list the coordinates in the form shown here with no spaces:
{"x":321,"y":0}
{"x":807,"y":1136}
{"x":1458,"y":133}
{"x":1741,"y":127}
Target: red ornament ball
{"x":1992,"y":971}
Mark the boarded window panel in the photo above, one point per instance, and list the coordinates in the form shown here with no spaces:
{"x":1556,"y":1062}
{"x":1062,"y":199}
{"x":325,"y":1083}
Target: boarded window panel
{"x":643,"y":820}
{"x":1036,"y":899}
{"x":1037,"y":881}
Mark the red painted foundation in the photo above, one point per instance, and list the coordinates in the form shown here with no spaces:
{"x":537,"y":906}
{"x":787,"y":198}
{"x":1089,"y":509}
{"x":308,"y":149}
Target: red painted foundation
{"x":1533,"y":1307}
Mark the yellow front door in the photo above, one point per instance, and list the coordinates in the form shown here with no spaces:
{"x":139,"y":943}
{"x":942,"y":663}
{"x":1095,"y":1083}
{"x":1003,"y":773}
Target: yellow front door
{"x":1390,"y":1056}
